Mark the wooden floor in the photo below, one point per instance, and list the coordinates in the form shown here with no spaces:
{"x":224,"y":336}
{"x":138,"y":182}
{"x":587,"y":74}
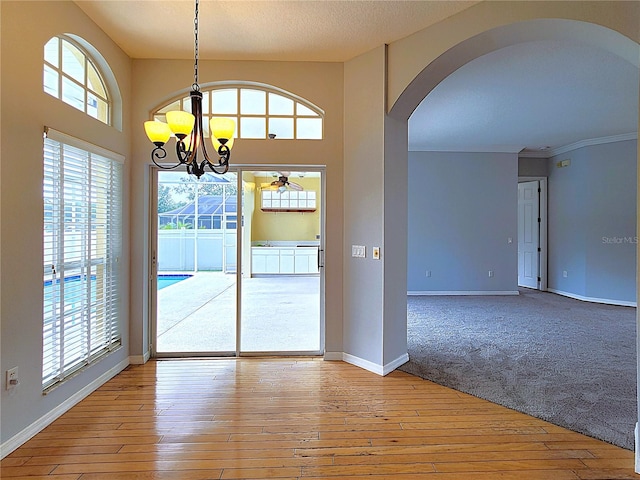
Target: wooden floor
{"x":300,"y":418}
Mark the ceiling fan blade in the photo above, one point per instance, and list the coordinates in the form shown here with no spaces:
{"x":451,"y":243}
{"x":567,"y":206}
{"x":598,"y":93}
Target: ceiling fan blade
{"x":295,"y":186}
{"x":284,"y":174}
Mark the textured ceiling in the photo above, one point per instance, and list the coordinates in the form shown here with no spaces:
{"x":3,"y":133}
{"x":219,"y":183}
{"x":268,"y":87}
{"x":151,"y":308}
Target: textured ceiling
{"x":527,"y":96}
{"x":327,"y":31}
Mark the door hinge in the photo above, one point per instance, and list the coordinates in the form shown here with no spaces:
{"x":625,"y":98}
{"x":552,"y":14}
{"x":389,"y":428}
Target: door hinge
{"x":539,"y":249}
{"x":539,"y":219}
{"x":539,"y":190}
{"x":539,"y":279}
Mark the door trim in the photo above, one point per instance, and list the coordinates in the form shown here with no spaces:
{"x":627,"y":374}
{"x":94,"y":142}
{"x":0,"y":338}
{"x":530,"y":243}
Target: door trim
{"x":152,"y":266}
{"x":542,"y":258}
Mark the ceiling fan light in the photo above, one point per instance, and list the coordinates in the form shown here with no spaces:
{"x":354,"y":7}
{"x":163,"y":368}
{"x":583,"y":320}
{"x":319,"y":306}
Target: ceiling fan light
{"x":222,"y":129}
{"x":157,"y":132}
{"x":181,"y":123}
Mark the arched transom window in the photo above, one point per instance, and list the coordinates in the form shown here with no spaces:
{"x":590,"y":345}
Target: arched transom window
{"x":71,"y":76}
{"x":258,"y":113}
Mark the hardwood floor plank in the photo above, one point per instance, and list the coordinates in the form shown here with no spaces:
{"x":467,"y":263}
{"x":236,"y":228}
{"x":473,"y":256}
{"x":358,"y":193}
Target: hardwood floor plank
{"x":288,"y":419}
{"x":153,"y":475}
{"x":46,"y":477}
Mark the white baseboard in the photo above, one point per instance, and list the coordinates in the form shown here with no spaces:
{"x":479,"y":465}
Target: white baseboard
{"x":637,"y":450}
{"x":381,"y":370}
{"x":139,"y":359}
{"x":22,"y":437}
{"x":621,"y":303}
{"x":463,"y":292}
{"x":391,"y":366}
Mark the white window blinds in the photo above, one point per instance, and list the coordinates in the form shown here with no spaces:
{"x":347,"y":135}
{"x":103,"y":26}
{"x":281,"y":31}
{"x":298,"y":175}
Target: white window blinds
{"x":82,"y":246}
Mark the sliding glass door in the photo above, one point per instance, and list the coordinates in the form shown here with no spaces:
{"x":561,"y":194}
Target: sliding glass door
{"x":237,"y":263}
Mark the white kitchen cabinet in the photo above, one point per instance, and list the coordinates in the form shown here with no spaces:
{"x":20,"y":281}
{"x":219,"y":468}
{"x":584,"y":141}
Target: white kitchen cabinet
{"x":265,"y":260}
{"x":306,"y":260}
{"x":287,"y":256}
{"x":284,"y":260}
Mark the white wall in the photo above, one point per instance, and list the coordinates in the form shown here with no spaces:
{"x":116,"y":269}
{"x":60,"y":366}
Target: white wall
{"x":462,"y":211}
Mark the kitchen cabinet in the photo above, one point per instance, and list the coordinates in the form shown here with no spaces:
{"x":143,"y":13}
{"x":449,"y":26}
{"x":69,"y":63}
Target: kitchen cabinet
{"x":284,"y":260}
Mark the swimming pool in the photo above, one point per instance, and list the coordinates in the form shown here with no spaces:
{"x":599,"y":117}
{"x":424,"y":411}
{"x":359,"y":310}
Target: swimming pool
{"x":75,"y":287}
{"x":166,"y":280}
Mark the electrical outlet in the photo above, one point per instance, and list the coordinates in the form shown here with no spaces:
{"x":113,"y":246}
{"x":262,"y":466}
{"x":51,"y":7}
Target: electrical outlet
{"x":490,"y":273}
{"x":428,"y":273}
{"x":565,"y":274}
{"x":12,"y":378}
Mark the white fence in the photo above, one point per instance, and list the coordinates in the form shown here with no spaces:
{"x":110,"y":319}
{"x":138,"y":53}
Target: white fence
{"x":191,"y":250}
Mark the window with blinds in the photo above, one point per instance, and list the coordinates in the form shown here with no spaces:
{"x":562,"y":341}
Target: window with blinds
{"x":82,"y":246}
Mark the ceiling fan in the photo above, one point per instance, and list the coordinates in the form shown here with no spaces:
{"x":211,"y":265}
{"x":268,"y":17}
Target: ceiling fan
{"x":282,"y":184}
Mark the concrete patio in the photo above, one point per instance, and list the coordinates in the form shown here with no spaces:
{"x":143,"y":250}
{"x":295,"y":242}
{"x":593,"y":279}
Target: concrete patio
{"x":280,"y":313}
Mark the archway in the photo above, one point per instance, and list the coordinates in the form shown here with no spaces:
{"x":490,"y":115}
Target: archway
{"x":495,"y":39}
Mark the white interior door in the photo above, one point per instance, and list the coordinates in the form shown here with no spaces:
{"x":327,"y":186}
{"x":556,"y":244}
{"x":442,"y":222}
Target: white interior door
{"x":528,"y":234}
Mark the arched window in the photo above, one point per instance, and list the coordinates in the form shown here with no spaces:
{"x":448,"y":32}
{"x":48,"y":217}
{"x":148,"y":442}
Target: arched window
{"x":72,"y":76}
{"x":259,"y":112}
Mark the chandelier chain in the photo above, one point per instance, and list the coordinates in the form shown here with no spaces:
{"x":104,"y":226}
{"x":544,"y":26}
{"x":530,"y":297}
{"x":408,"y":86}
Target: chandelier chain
{"x":195,"y":35}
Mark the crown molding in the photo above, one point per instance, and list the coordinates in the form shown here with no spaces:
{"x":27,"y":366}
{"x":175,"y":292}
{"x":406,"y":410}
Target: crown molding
{"x":552,"y":152}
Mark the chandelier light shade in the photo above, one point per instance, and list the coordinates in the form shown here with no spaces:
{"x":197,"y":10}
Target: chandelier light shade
{"x":187,"y":128}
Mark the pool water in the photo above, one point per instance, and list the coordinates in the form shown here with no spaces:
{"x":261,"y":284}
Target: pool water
{"x":166,"y":280}
{"x":75,"y":288}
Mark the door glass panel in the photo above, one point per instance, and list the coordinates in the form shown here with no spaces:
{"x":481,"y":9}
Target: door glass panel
{"x":196,"y":263}
{"x":280,"y":279}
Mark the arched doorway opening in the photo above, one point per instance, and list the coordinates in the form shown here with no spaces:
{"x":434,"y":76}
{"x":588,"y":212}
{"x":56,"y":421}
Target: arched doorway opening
{"x":493,"y":40}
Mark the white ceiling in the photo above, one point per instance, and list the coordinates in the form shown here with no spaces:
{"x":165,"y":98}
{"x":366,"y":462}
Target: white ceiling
{"x":526,"y":96}
{"x":531,"y":95}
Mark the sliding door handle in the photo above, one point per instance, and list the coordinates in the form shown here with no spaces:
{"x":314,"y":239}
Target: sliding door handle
{"x":319,"y":264}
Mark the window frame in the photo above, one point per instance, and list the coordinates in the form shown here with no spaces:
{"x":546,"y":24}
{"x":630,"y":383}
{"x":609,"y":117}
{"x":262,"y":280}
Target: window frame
{"x":89,"y":64}
{"x":82,"y":239}
{"x":309,"y":111}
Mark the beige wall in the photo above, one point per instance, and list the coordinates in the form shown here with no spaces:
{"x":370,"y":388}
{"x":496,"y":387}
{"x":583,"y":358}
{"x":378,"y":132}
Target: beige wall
{"x":26,"y":110}
{"x":156,"y":81}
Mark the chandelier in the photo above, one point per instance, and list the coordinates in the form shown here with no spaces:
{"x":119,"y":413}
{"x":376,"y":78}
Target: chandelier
{"x":187,"y":127}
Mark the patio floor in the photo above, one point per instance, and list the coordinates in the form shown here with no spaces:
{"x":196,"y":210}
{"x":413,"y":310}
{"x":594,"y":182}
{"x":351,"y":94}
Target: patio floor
{"x":279,"y":314}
